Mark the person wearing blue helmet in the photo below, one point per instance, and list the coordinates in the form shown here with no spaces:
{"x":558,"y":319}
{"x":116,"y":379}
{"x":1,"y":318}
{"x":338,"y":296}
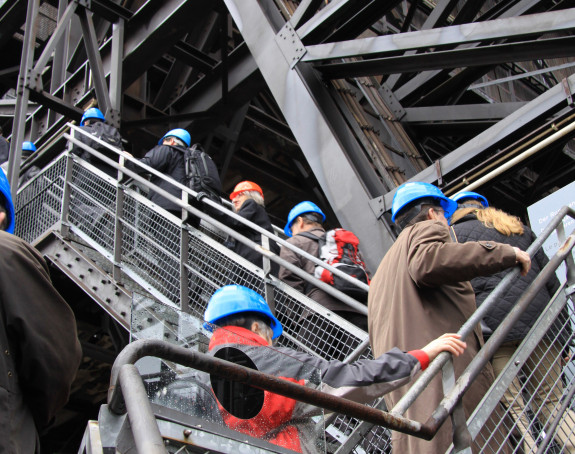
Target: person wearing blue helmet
{"x":168,"y":157}
{"x":421,"y":289}
{"x":28,"y":149}
{"x":475,"y":221}
{"x":38,"y":338}
{"x":93,"y":124}
{"x":304,"y":219}
{"x":241,"y":319}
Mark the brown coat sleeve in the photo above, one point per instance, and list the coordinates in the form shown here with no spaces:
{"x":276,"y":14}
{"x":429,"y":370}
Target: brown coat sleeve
{"x":433,"y":259}
{"x":40,"y":328}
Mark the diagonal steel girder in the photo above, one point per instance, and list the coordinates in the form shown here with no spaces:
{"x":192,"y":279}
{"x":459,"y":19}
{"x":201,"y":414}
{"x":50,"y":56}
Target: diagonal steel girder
{"x":540,"y":108}
{"x":331,"y":150}
{"x":408,"y":89}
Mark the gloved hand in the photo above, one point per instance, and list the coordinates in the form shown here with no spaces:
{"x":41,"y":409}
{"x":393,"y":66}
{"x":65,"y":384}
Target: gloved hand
{"x":201,"y":195}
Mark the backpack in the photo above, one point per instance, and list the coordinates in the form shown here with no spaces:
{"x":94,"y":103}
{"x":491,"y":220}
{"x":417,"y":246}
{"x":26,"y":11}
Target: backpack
{"x":107,"y":133}
{"x":201,"y":174}
{"x":339,"y":248}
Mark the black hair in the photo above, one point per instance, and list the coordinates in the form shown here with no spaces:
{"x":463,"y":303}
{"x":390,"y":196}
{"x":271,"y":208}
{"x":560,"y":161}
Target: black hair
{"x":416,"y":212}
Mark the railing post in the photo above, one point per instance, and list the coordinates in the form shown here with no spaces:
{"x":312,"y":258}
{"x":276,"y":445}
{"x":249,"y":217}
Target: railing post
{"x":268,"y":287}
{"x":64,"y":223}
{"x":118,"y":232}
{"x":461,"y":435}
{"x":184,"y":246}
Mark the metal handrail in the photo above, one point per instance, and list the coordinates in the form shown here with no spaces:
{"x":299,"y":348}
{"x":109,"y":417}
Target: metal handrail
{"x":189,"y":192}
{"x":464,"y":382}
{"x":230,"y":371}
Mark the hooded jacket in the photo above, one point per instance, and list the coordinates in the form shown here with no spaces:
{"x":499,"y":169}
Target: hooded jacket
{"x":280,"y":420}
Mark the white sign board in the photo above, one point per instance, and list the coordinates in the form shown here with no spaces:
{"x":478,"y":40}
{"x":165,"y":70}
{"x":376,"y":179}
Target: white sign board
{"x":541,"y":213}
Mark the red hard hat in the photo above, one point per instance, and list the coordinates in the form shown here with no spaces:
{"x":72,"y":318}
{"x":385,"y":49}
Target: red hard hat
{"x":245,"y":186}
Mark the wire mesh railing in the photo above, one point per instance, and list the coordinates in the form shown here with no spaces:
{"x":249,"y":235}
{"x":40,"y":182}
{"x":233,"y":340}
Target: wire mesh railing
{"x":177,"y":263}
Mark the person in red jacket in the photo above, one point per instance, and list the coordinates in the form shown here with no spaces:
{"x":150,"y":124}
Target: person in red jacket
{"x":241,"y":318}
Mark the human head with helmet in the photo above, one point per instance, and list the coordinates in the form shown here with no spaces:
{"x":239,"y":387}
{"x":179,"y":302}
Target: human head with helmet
{"x":6,"y":205}
{"x":246,"y":190}
{"x":417,"y":201}
{"x":178,"y":137}
{"x":303,"y":216}
{"x":236,"y":305}
{"x":28,"y":148}
{"x":465,"y":197}
{"x":92,"y":115}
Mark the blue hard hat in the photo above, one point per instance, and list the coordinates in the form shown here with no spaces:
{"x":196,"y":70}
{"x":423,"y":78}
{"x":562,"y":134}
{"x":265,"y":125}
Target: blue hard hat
{"x":92,"y":112}
{"x":410,"y":192}
{"x":461,"y":197}
{"x":235,"y":299}
{"x":179,"y":133}
{"x":28,"y":146}
{"x":298,"y":210}
{"x":9,"y":205}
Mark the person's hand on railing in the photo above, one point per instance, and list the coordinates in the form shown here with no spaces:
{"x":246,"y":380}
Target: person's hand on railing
{"x":449,"y":342}
{"x":522,"y":258}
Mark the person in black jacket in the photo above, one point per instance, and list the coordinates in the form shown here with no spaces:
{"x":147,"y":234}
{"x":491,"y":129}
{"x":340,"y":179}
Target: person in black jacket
{"x":167,"y":157}
{"x":474,"y":220}
{"x":248,"y":201}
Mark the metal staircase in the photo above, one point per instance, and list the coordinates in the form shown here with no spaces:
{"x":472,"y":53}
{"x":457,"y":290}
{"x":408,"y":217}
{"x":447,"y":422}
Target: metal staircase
{"x":126,"y":253}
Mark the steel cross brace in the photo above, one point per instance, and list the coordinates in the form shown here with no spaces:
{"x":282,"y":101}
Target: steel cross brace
{"x":332,"y":151}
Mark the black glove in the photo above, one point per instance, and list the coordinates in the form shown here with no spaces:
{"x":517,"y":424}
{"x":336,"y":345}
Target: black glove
{"x":201,"y":195}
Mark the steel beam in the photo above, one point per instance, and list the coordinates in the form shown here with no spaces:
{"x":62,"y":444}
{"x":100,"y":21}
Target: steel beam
{"x":458,"y":58}
{"x":22,"y":95}
{"x":304,"y":12}
{"x":447,"y":36}
{"x":418,"y":81}
{"x":542,"y":106}
{"x":323,"y":137}
{"x":477,"y":112}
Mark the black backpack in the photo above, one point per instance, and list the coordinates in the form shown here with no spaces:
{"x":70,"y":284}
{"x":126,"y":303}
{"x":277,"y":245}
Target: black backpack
{"x":107,"y":133}
{"x":201,"y":173}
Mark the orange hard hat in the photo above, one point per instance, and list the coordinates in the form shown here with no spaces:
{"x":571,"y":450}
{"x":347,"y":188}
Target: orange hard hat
{"x":245,"y":186}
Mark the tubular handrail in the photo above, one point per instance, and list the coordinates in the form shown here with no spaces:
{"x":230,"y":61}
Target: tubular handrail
{"x":467,"y":328}
{"x":238,"y":236}
{"x":230,"y":371}
{"x":212,"y":204}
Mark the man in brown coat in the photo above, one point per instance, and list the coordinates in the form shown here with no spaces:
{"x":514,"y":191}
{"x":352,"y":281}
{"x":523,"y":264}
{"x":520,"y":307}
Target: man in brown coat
{"x":421,"y":289}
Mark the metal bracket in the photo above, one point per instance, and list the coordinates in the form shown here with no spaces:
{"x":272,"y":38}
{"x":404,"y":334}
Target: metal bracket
{"x":392,"y":102}
{"x":378,"y":206}
{"x":438,"y":172}
{"x":290,"y":45}
{"x":568,"y":93}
